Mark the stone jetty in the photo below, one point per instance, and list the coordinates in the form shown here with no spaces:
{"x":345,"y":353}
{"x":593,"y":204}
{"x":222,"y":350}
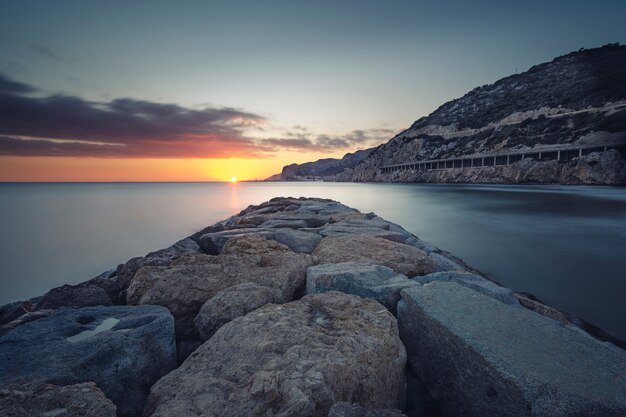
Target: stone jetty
{"x":301,"y":307}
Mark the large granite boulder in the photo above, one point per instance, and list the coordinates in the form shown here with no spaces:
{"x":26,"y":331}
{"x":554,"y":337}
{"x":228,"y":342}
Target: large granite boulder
{"x":231,"y":303}
{"x":481,"y":357}
{"x":213,"y":243}
{"x":365,"y":280}
{"x":124,"y":350}
{"x":294,"y":359}
{"x":190,"y":281}
{"x":299,"y":241}
{"x":252,"y":244}
{"x":182,"y":287}
{"x":347,"y":229}
{"x":116,"y":284}
{"x":81,"y":295}
{"x":47,"y":400}
{"x":473,"y":281}
{"x":345,"y":409}
{"x":323,"y":207}
{"x":402,"y":258}
{"x":284,"y":223}
{"x":372,"y":225}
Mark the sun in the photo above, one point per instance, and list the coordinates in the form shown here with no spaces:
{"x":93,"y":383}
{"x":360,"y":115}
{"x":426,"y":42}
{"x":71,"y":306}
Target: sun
{"x":233,"y":179}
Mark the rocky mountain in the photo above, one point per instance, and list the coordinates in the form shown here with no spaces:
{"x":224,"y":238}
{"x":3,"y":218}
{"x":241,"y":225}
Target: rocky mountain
{"x":575,"y":101}
{"x":320,"y":169}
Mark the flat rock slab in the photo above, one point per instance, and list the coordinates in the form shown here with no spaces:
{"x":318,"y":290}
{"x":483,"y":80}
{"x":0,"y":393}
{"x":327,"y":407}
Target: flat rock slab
{"x":473,"y":281}
{"x":294,"y":359}
{"x":124,"y":350}
{"x":365,"y":280}
{"x":481,"y":357}
{"x":404,"y":259}
{"x":46,"y":400}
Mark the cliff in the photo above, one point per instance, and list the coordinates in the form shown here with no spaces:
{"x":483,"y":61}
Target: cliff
{"x":576,"y":100}
{"x":320,"y":169}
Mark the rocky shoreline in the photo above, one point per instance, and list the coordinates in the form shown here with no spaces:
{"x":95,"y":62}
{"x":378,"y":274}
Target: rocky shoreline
{"x":301,"y":307}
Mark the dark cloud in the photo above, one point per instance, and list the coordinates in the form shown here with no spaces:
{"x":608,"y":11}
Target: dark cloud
{"x":8,"y":86}
{"x":299,"y":138}
{"x":44,"y":51}
{"x":119,"y":128}
{"x":63,"y":125}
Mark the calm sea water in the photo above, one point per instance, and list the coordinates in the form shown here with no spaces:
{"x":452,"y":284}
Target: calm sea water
{"x":566,"y":245}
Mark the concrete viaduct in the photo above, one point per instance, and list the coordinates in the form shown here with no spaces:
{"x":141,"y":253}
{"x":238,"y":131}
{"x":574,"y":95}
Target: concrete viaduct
{"x":562,"y":153}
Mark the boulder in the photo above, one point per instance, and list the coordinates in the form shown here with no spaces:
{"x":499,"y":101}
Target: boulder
{"x":81,"y":295}
{"x":47,"y":400}
{"x":421,"y":244}
{"x":474,"y":282}
{"x":444,"y":263}
{"x":190,"y":281}
{"x":365,"y":280}
{"x":124,"y":350}
{"x":324,"y":208}
{"x":288,"y":223}
{"x":117,"y":285}
{"x":294,"y":359}
{"x":231,"y":303}
{"x":481,"y":357}
{"x":343,"y":229}
{"x":182,"y":287}
{"x":345,"y":409}
{"x":402,"y":258}
{"x":339,"y":217}
{"x":186,"y":246}
{"x":252,"y":244}
{"x":24,"y":318}
{"x":298,"y":241}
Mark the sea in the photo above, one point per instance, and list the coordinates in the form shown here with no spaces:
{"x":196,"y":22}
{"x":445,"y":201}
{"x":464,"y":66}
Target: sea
{"x":565,"y":245}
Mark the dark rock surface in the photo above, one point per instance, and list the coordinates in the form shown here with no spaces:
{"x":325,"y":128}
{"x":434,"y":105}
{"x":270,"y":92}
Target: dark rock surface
{"x":81,"y":295}
{"x":46,"y":400}
{"x":231,"y":303}
{"x":481,"y":357}
{"x":474,"y":282}
{"x":124,"y":350}
{"x":293,"y":359}
{"x":365,"y":280}
{"x":345,"y":409}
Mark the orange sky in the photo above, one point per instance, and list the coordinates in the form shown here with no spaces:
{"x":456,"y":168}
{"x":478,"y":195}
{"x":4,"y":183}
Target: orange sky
{"x":15,"y":168}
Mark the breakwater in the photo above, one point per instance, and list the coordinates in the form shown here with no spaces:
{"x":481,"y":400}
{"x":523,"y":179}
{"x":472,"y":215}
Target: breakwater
{"x":303,"y":307}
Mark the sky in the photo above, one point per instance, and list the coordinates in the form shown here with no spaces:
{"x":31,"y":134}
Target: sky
{"x":210,"y":90}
